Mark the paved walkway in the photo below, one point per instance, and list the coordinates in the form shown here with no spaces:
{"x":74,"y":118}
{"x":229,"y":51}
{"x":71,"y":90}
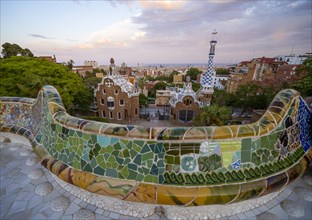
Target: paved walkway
{"x":28,"y":191}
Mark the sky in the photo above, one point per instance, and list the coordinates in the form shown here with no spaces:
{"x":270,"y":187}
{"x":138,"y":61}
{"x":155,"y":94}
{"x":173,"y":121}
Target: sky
{"x":158,"y":32}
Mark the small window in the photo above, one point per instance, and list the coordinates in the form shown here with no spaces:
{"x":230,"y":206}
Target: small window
{"x":135,"y":111}
{"x":119,"y":116}
{"x":116,"y":92}
{"x":103,"y":114}
{"x":102,"y":101}
{"x":121,"y":102}
{"x":110,"y":102}
{"x":111,"y":115}
{"x":104,"y":92}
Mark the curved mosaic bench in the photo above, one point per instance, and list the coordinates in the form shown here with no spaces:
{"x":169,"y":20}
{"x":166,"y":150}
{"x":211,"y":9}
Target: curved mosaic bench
{"x":172,"y":166}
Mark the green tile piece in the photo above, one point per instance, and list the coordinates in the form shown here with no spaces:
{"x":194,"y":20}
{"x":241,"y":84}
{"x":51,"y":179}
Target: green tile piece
{"x":87,"y":168}
{"x":145,"y":170}
{"x":76,"y":163}
{"x":139,"y":177}
{"x":126,"y":153}
{"x":264,"y":142}
{"x":137,"y":159}
{"x":111,"y":159}
{"x":246,"y":144}
{"x":149,"y":163}
{"x":145,"y":149}
{"x":125,"y":172}
{"x":160,"y":163}
{"x":133,"y":153}
{"x":139,"y":143}
{"x":110,"y":149}
{"x":93,"y":163}
{"x":169,"y":159}
{"x":117,"y":146}
{"x":147,"y":156}
{"x":119,"y":160}
{"x":245,"y":156}
{"x":99,"y":170}
{"x":99,"y":159}
{"x":136,"y":148}
{"x":115,"y":153}
{"x":132,"y":175}
{"x":148,"y":178}
{"x":127,"y":160}
{"x":132,"y":167}
{"x":111,"y":173}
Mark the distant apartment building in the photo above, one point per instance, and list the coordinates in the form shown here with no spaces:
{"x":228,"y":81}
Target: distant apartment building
{"x":178,"y":79}
{"x":91,"y":63}
{"x":82,"y":70}
{"x":292,"y":59}
{"x":117,"y":99}
{"x":264,"y":71}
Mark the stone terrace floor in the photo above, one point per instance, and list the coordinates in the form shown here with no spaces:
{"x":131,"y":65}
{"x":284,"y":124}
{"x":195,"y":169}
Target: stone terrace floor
{"x":28,"y":191}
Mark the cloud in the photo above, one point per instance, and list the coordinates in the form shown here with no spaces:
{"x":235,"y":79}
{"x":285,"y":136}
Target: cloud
{"x":121,"y":34}
{"x":263,"y":26}
{"x":40,"y":36}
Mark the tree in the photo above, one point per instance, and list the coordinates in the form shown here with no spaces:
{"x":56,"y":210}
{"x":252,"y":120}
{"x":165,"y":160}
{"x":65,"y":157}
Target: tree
{"x":70,"y":64}
{"x":141,"y":83}
{"x":142,"y":99}
{"x":195,"y":86}
{"x":157,"y":86}
{"x":10,"y":50}
{"x":25,"y":76}
{"x":214,"y":115}
{"x":193,"y":72}
{"x":222,"y":71}
{"x":304,"y":81}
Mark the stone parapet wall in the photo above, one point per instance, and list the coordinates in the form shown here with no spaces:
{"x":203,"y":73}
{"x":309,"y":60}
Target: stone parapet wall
{"x":174,"y":166}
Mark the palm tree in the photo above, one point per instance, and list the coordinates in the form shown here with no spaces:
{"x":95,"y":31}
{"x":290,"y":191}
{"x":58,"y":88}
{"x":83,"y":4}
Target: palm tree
{"x":141,"y":83}
{"x":214,"y":115}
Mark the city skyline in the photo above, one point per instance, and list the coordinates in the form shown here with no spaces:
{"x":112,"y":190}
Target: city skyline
{"x":158,"y":31}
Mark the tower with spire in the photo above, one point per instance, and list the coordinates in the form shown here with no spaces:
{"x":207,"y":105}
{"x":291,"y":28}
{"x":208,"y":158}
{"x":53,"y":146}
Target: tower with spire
{"x":206,"y":79}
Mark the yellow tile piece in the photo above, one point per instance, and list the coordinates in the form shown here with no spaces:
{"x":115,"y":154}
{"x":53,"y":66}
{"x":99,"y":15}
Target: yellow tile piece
{"x":145,"y":193}
{"x":170,"y":195}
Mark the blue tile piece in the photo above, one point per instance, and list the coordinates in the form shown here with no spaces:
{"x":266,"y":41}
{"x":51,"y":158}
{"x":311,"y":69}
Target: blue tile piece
{"x":305,"y":125}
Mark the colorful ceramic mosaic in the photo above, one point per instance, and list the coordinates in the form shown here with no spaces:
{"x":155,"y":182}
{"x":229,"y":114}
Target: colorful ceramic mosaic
{"x":154,"y":165}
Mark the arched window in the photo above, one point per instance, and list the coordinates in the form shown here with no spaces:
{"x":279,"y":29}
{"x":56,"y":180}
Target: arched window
{"x":110,"y":102}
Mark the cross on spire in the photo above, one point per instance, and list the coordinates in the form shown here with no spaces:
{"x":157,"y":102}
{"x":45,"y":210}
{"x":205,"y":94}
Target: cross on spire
{"x":214,"y":33}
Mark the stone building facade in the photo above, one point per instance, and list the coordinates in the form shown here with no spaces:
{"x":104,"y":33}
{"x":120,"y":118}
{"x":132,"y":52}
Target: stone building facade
{"x":186,"y":109}
{"x":117,"y":99}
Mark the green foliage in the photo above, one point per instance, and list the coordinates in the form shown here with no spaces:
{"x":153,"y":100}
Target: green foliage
{"x":92,"y":82}
{"x":70,"y":64}
{"x":214,"y":115}
{"x":193,"y":72}
{"x":25,"y":76}
{"x":195,"y":86}
{"x":251,"y":96}
{"x":303,"y":84}
{"x":157,"y":86}
{"x":142,"y":99}
{"x":10,"y":50}
{"x":222,"y":71}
